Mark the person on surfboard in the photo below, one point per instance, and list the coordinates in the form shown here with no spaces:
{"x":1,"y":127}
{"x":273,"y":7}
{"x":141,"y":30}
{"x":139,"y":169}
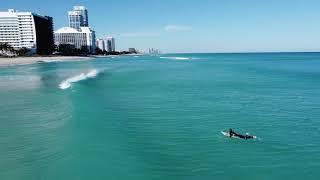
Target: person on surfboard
{"x":232,"y":133}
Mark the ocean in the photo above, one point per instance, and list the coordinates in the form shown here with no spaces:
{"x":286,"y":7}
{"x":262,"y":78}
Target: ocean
{"x":161,"y":117}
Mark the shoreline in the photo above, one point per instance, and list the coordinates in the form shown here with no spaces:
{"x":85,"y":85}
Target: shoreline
{"x":5,"y":62}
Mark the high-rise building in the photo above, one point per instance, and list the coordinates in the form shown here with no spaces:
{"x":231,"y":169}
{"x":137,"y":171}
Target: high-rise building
{"x":83,"y":11}
{"x":78,"y":17}
{"x":111,"y":44}
{"x":27,"y":30}
{"x":100,"y":44}
{"x":74,"y":20}
{"x":154,"y":51}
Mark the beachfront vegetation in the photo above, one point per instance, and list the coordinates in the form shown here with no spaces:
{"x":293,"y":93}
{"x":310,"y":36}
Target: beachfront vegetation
{"x":6,"y":49}
{"x":23,"y":51}
{"x":101,"y":52}
{"x":71,"y":50}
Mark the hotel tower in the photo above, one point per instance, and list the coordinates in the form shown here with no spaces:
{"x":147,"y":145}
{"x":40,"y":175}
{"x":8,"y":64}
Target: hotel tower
{"x":27,"y":30}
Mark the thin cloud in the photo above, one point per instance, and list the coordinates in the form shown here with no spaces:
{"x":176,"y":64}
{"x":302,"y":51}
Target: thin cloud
{"x":140,"y":34}
{"x":177,"y":28}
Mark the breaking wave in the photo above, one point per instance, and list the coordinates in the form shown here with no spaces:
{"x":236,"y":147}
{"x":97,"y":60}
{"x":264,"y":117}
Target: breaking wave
{"x":176,"y":58}
{"x":66,"y":84}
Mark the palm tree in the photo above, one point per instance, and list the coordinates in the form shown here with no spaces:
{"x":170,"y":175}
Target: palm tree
{"x":6,"y":48}
{"x":1,"y":48}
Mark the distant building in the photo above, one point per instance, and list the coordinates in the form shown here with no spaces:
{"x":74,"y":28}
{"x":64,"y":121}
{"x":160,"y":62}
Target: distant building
{"x":132,"y":50}
{"x":78,"y":17}
{"x":111,"y":44}
{"x":153,"y":51}
{"x":91,"y":38}
{"x":105,"y":41}
{"x":74,"y":20}
{"x":100,"y":44}
{"x":85,"y":38}
{"x":83,"y":11}
{"x":78,"y":33}
{"x":27,"y":30}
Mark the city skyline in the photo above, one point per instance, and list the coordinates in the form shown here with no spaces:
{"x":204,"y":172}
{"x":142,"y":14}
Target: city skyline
{"x":107,"y":44}
{"x":203,"y":26}
{"x":78,"y":33}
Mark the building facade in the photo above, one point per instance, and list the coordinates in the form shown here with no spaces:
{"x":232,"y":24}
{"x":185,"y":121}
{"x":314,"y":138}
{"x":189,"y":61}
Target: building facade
{"x":83,"y":11}
{"x":78,"y":17}
{"x":85,"y":38}
{"x":44,"y":34}
{"x":91,"y":38}
{"x":100,"y":44}
{"x":74,"y":20}
{"x":27,"y":30}
{"x":111,"y":44}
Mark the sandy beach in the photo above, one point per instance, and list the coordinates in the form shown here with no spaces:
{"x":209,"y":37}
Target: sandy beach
{"x":32,"y":60}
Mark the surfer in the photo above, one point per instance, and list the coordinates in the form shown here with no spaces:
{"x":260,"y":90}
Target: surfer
{"x":232,"y":133}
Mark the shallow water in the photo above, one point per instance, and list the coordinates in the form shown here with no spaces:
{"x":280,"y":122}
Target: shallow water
{"x":161,"y":117}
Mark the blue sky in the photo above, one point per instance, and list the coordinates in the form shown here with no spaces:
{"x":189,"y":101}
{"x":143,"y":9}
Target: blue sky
{"x":194,"y":25}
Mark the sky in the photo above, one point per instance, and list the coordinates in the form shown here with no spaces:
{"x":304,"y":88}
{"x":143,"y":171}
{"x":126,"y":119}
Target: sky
{"x":189,"y":26}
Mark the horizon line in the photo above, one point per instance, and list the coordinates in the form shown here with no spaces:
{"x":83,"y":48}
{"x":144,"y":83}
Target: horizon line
{"x":258,"y":52}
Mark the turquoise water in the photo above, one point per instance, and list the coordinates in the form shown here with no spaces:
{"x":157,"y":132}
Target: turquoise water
{"x":161,"y":117}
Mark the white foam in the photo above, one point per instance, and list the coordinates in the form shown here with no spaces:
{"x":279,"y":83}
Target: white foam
{"x":51,"y":61}
{"x":66,"y":84}
{"x":176,"y":58}
{"x":93,"y":73}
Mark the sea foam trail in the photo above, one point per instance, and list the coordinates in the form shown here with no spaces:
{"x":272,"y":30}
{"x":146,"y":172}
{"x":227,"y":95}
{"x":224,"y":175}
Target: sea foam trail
{"x":176,"y":58}
{"x":66,"y":84}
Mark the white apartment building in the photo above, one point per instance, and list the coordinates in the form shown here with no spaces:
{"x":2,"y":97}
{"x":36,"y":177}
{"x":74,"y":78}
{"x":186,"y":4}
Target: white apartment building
{"x":25,"y":29}
{"x":74,"y":19}
{"x":83,"y":11}
{"x":78,"y":17}
{"x":100,"y":44}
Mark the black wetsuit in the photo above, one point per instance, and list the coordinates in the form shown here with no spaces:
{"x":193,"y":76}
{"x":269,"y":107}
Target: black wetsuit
{"x":245,"y":137}
{"x":232,"y":133}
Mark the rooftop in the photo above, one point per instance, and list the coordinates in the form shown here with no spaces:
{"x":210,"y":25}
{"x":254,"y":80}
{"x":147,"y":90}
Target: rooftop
{"x":67,"y":30}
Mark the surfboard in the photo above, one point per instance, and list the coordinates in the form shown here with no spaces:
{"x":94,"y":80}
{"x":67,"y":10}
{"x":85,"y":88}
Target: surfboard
{"x":227,"y":134}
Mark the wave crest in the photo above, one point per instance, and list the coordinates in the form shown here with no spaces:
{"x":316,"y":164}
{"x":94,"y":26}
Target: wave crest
{"x":66,"y":84}
{"x":176,"y":58}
